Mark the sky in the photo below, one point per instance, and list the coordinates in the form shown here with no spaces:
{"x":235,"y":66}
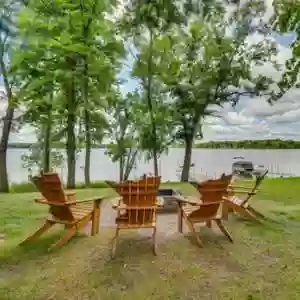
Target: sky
{"x":250,"y":119}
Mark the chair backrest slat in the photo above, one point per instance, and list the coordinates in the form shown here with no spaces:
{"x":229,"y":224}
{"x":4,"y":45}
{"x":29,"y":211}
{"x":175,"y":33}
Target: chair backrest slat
{"x":140,"y":193}
{"x":50,"y":186}
{"x":259,"y":179}
{"x":211,"y":191}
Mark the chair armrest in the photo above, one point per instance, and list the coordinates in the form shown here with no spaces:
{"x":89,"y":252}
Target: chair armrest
{"x":186,"y":200}
{"x":233,"y":186}
{"x":116,"y":202}
{"x":43,"y":201}
{"x":178,"y":192}
{"x":137,"y":207}
{"x":204,"y":204}
{"x":210,"y":203}
{"x":70,"y":193}
{"x":84,"y":200}
{"x":243,"y":187}
{"x":159,"y":202}
{"x":67,"y":203}
{"x":123,"y":206}
{"x":243,"y":192}
{"x":119,"y":206}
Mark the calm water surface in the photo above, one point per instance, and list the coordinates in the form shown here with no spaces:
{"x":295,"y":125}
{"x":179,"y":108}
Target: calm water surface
{"x":208,"y":163}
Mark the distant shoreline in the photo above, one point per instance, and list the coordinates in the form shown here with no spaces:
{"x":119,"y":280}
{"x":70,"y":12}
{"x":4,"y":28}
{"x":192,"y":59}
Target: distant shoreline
{"x":243,"y":144}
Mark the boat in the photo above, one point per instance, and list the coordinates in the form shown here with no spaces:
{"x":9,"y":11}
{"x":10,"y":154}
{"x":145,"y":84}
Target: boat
{"x":245,"y":168}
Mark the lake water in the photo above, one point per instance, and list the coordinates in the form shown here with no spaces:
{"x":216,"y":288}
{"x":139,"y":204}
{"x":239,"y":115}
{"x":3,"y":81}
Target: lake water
{"x":208,"y":163}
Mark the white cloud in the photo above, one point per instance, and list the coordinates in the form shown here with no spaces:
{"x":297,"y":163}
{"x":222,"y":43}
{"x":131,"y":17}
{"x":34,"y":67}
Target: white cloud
{"x":238,"y":118}
{"x":257,"y":119}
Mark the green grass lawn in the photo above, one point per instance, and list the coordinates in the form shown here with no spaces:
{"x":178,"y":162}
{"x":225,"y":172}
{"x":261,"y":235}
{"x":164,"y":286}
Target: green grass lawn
{"x":263,"y":262}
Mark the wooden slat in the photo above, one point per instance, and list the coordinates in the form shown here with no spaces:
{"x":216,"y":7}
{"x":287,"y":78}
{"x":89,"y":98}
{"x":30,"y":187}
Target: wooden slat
{"x":136,"y":226}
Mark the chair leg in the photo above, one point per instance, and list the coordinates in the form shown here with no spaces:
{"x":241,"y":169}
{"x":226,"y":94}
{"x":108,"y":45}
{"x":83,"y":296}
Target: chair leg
{"x":192,"y":229}
{"x":208,"y":224}
{"x":70,"y":232}
{"x":96,"y":219}
{"x":179,"y":217}
{"x":223,"y":229}
{"x":256,"y":213}
{"x":154,"y":241}
{"x":225,"y":210}
{"x":47,"y":225}
{"x":114,"y":244}
{"x":83,"y":223}
{"x":243,"y":212}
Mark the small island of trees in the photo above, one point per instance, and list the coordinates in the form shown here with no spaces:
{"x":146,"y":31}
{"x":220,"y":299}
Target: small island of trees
{"x":252,"y":144}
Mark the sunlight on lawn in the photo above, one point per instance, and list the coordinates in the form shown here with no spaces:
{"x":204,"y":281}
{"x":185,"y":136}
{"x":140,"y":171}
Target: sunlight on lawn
{"x":263,"y":262}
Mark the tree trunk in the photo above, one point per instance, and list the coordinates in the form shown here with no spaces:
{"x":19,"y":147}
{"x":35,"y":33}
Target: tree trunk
{"x":121,"y":168}
{"x":150,"y":107}
{"x":71,"y":140}
{"x":4,"y":186}
{"x":85,"y":87}
{"x":87,"y":164}
{"x":7,"y":124}
{"x":155,"y":162}
{"x":185,"y":174}
{"x":47,"y":149}
{"x":47,"y":140}
{"x":131,"y":158}
{"x":87,"y":120}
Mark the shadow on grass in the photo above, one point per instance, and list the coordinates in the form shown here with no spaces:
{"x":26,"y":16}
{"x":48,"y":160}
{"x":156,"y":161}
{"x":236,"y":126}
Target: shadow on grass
{"x":37,"y":249}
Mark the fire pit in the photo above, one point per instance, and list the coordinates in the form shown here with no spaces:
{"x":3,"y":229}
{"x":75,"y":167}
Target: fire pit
{"x":168,"y":200}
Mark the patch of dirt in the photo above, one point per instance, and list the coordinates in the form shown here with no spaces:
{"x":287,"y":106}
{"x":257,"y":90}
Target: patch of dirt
{"x":167,"y":226}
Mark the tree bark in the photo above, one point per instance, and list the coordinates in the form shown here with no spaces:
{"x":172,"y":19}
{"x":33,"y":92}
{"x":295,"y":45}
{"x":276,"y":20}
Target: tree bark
{"x":130,"y":161}
{"x":48,"y":136}
{"x":47,"y":149}
{"x":121,"y":168}
{"x":7,"y":124}
{"x":88,"y":141}
{"x":150,"y":107}
{"x":4,"y":185}
{"x":71,"y":139}
{"x":185,"y":174}
{"x":87,"y":164}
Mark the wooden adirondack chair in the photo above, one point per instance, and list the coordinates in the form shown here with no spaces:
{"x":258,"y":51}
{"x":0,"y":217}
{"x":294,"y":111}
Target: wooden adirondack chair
{"x":137,"y":207}
{"x":212,"y":193}
{"x":238,"y":199}
{"x":64,"y":209}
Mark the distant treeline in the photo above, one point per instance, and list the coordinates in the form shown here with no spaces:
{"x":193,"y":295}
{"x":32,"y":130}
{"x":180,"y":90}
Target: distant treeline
{"x":251,"y":144}
{"x":244,"y":144}
{"x":54,"y":145}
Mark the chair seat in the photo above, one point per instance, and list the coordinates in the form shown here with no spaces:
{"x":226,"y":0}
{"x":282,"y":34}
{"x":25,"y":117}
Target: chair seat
{"x":238,"y":201}
{"x":79,"y":211}
{"x":82,"y":209}
{"x":188,"y":209}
